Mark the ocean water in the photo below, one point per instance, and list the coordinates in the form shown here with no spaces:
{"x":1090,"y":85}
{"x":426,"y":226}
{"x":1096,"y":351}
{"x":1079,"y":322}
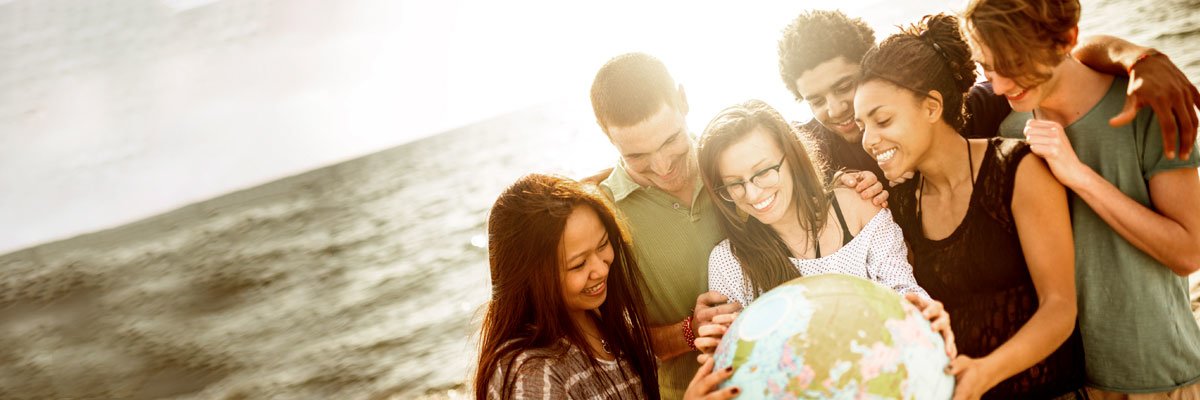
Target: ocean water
{"x":363,"y":279}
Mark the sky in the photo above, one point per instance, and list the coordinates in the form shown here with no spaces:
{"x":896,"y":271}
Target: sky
{"x":115,"y":111}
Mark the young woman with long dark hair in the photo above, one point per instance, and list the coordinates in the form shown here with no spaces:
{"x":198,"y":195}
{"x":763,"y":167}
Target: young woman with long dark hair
{"x":566,"y":318}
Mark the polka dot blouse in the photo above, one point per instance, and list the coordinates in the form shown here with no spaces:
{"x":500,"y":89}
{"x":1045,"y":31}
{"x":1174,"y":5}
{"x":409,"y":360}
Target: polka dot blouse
{"x":877,"y":253}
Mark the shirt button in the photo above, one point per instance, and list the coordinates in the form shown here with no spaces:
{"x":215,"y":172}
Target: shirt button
{"x":676,"y":205}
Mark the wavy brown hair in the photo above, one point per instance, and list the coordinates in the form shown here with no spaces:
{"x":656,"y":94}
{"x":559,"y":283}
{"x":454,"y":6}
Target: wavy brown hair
{"x":1023,"y":35}
{"x":927,"y":56}
{"x":526,"y":310}
{"x":762,"y":253}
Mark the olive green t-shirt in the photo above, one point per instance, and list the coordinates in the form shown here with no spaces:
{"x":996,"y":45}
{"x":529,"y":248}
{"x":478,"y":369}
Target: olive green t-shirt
{"x":1139,"y":334}
{"x":671,"y":243}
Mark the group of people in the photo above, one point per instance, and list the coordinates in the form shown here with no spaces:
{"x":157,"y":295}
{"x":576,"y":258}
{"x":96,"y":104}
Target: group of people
{"x":1039,"y":220}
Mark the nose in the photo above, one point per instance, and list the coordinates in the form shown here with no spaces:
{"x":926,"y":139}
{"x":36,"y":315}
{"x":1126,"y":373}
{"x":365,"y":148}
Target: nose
{"x":660,"y":163}
{"x":838,"y":106}
{"x":869,"y":140}
{"x":601,"y":269}
{"x":752,"y":192}
{"x":1001,"y":84}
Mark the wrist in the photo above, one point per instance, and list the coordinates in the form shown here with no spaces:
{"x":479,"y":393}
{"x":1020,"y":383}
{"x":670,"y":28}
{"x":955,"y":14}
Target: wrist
{"x":1149,"y":52}
{"x":689,"y":332}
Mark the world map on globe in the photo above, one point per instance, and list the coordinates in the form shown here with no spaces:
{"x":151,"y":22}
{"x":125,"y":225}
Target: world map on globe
{"x":834,"y":337}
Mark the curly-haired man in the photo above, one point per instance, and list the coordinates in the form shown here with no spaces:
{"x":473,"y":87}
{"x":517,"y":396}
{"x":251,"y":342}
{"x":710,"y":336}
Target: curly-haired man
{"x":819,"y":57}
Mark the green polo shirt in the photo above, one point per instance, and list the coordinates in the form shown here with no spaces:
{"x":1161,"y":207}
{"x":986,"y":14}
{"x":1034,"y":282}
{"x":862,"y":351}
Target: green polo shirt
{"x":1139,"y":335}
{"x":671,"y":243}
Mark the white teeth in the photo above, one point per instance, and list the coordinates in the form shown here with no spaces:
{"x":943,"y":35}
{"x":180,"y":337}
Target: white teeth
{"x":593,"y":289}
{"x":884,"y":156}
{"x":763,"y":204}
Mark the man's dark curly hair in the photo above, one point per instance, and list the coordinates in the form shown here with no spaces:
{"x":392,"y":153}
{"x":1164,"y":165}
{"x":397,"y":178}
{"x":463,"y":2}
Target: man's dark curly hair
{"x":818,"y":36}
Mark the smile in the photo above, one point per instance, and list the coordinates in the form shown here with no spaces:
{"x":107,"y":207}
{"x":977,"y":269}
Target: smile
{"x":594,"y":290}
{"x":847,"y":125}
{"x":885,"y":156}
{"x":1017,"y":97}
{"x":763,"y":204}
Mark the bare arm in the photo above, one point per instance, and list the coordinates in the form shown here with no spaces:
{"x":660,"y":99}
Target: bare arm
{"x":1043,"y":222}
{"x":668,"y":341}
{"x":1154,"y":81}
{"x":1171,"y":235}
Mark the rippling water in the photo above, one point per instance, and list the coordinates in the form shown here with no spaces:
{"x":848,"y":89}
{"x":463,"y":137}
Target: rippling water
{"x":359,"y":280}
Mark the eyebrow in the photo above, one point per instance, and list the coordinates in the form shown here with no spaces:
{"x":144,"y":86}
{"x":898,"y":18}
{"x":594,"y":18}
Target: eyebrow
{"x":840,"y":82}
{"x":869,"y":113}
{"x":660,"y":146}
{"x":571,"y":260}
{"x":757,"y":167}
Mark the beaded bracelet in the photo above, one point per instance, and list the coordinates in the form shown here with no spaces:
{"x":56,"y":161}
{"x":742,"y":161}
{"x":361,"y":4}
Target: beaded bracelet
{"x":688,"y":335}
{"x":1147,"y":54}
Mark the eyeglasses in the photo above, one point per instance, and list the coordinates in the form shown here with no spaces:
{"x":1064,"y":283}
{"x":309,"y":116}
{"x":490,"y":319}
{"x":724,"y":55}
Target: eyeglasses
{"x":764,"y":178}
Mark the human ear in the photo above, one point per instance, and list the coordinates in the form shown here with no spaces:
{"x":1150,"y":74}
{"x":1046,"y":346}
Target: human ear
{"x":683,"y":103}
{"x":931,"y":105}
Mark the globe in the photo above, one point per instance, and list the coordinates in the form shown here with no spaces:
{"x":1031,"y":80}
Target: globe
{"x":834,"y":337}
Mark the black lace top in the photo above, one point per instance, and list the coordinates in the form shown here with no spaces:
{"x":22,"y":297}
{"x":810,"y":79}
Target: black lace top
{"x":979,"y":273}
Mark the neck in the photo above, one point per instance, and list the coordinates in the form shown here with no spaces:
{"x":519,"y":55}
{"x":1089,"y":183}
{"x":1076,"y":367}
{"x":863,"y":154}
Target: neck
{"x":789,"y":229}
{"x":946,"y":162}
{"x":585,"y":323}
{"x":1086,"y":88}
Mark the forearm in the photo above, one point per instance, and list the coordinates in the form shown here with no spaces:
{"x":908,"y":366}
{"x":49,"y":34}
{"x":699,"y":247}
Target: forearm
{"x":668,"y":341}
{"x":1164,"y":239}
{"x":1049,"y":327}
{"x":1108,"y":54}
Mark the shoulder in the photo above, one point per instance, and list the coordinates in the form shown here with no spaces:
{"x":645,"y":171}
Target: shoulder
{"x":1033,"y":182}
{"x":534,"y":365}
{"x":857,"y":210}
{"x":721,"y":260}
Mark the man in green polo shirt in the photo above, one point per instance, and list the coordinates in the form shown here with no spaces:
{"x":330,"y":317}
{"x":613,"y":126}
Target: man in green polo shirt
{"x":659,"y":196}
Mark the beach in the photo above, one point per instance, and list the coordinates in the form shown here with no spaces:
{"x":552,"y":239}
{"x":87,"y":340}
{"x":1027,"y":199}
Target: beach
{"x":363,"y":279}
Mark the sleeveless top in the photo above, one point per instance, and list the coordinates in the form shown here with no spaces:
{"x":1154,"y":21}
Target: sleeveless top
{"x":979,"y":273}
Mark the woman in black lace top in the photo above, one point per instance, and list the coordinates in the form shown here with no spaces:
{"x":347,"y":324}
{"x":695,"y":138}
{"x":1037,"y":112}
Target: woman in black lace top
{"x":988,"y":226}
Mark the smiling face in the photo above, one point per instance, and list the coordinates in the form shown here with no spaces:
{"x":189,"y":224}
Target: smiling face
{"x":897,"y":126}
{"x":587,"y":254}
{"x":750,"y":156}
{"x":828,"y":89}
{"x":1021,"y":98}
{"x":658,"y":152}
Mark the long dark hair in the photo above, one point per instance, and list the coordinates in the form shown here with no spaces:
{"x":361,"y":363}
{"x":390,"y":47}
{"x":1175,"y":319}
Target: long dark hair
{"x":526,"y":310}
{"x":760,"y":250}
{"x":929,"y":55}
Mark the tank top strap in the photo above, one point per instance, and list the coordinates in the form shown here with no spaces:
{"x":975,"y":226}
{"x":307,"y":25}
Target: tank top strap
{"x":837,"y":209}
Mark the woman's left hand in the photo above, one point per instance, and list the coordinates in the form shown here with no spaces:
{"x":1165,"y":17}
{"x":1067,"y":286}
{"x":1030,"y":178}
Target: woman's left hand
{"x":1048,"y":140}
{"x":938,"y":318}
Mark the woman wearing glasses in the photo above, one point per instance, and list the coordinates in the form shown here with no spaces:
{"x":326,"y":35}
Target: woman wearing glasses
{"x":783,"y":223}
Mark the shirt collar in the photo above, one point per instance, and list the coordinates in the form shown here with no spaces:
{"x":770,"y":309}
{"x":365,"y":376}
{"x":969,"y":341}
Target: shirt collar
{"x":621,"y":185}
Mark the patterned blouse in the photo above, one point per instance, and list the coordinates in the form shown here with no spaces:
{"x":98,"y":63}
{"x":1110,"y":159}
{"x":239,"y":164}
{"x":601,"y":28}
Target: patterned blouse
{"x":548,"y":373}
{"x":877,"y":253}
